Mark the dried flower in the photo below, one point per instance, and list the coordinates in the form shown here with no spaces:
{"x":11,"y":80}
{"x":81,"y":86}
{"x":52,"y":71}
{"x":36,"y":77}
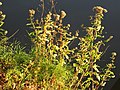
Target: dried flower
{"x":48,"y":17}
{"x":3,"y":16}
{"x":37,"y":21}
{"x":68,"y":25}
{"x":57,"y":17}
{"x":62,"y":14}
{"x":31,"y":13}
{"x":99,"y":9}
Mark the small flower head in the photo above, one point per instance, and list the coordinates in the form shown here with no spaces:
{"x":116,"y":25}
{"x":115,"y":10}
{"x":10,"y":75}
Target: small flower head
{"x":114,"y":53}
{"x":68,"y":25}
{"x":37,"y":21}
{"x":1,"y":12}
{"x":0,"y":3}
{"x":5,"y":32}
{"x":2,"y":16}
{"x":99,"y":9}
{"x":31,"y":13}
{"x":48,"y":17}
{"x":57,"y":17}
{"x":62,"y":14}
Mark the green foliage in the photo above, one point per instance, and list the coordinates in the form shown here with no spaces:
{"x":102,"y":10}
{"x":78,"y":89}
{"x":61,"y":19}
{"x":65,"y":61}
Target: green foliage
{"x":92,"y":77}
{"x":51,"y":64}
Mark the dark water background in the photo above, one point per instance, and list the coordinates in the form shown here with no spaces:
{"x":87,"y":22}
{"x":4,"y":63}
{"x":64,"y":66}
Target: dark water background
{"x":78,"y":12}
